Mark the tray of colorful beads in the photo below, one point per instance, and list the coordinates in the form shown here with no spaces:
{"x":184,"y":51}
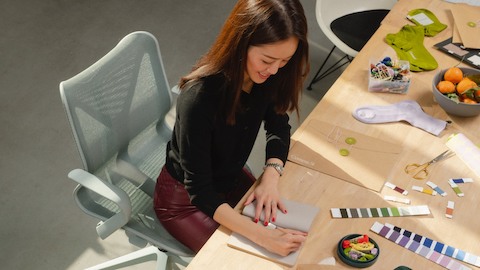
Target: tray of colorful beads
{"x":388,"y":75}
{"x":358,"y":250}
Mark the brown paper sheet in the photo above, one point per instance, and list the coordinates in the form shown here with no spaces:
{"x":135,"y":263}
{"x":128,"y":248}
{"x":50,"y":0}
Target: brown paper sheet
{"x":456,"y":38}
{"x":467,"y":23}
{"x":368,"y":164}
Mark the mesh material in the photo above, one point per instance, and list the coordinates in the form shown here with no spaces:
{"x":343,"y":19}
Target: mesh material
{"x":141,"y":202}
{"x":117,"y":98}
{"x":147,"y":150}
{"x":117,"y":108}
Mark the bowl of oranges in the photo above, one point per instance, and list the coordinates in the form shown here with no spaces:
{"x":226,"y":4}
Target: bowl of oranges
{"x":457,"y":91}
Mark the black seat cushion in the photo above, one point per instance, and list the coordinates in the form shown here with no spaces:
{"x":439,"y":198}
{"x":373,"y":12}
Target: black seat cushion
{"x":357,"y":28}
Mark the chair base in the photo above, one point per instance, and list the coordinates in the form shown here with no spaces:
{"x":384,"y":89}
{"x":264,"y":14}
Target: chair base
{"x":150,"y":253}
{"x":147,"y":254}
{"x":320,"y":75}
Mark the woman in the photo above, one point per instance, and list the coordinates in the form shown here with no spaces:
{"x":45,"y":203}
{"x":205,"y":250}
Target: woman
{"x":253,"y":73}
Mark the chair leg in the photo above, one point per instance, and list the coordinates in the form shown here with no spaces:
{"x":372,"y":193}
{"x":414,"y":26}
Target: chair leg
{"x":318,"y":76}
{"x":146,"y":254}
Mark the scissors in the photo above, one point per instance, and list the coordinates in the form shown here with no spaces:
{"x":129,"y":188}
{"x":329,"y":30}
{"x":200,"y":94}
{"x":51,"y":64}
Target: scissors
{"x":419,"y":171}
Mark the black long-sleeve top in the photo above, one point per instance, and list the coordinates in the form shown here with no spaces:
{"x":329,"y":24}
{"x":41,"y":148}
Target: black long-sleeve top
{"x":206,"y":154}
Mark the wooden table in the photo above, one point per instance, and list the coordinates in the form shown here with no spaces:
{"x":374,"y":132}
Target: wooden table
{"x":306,"y":185}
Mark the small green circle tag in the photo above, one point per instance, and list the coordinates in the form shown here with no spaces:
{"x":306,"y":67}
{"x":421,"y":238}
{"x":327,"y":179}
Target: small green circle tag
{"x":344,"y":152}
{"x":350,"y":140}
{"x":471,"y":24}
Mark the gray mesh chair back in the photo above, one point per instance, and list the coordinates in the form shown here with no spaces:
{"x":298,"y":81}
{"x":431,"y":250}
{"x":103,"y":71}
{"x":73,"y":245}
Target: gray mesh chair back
{"x":117,"y":109}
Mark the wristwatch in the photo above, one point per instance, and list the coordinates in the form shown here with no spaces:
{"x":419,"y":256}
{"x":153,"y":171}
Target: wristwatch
{"x":276,"y":166}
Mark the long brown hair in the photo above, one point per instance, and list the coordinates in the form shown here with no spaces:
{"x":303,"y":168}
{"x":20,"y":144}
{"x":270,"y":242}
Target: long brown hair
{"x":253,"y":23}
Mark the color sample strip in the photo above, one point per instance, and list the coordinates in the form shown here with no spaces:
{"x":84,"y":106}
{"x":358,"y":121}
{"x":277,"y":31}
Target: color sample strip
{"x":449,"y":211}
{"x":456,"y":189}
{"x":462,"y":180}
{"x":438,"y":247}
{"x":380,"y":212}
{"x":395,"y":199}
{"x":397,"y":189}
{"x":436,"y":188}
{"x":416,"y":247}
{"x":425,"y":190}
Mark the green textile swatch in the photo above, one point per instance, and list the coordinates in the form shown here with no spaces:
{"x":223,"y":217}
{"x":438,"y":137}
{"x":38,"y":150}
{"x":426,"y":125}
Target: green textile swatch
{"x":427,"y":19}
{"x":408,"y":44}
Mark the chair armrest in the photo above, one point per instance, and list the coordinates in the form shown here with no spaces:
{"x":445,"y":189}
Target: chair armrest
{"x":109,"y":191}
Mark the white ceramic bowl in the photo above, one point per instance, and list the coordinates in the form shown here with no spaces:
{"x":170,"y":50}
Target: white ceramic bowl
{"x":450,"y":106}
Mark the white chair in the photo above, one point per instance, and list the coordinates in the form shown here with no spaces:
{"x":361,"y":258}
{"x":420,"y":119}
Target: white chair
{"x":348,"y":24}
{"x":117,"y":109}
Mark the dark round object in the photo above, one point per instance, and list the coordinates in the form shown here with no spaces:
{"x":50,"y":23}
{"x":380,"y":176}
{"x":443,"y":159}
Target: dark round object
{"x":358,"y":264}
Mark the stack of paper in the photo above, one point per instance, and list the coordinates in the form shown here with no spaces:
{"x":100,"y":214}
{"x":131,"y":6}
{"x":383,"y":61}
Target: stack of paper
{"x":300,"y":217}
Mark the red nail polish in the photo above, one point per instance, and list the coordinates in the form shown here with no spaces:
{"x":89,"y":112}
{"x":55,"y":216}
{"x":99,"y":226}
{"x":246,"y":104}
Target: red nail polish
{"x":285,"y":211}
{"x":273,"y":219}
{"x":265,"y":223}
{"x":256,"y":220}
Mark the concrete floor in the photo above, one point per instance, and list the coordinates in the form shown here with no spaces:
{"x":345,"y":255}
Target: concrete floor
{"x":45,"y":42}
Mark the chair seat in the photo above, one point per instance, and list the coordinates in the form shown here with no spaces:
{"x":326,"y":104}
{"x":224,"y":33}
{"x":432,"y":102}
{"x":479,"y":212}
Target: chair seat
{"x":355,"y":29}
{"x":348,"y":24}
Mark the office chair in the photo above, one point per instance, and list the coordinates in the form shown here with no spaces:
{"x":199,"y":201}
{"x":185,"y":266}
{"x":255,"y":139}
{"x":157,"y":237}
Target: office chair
{"x":348,"y":24}
{"x":117,"y":109}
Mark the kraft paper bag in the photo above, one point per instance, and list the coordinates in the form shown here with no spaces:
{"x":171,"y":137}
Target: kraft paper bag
{"x":369,"y":161}
{"x":467,"y":23}
{"x":456,"y":38}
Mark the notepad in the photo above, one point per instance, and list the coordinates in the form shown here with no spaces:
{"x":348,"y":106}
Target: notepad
{"x":300,"y":217}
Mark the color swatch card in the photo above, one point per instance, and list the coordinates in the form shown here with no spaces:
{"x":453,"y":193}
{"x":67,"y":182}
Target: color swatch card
{"x":417,"y":210}
{"x":436,"y":252}
{"x":439,"y":247}
{"x":468,"y":56}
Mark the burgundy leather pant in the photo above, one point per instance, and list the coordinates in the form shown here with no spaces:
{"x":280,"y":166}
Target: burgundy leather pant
{"x":183,"y":220}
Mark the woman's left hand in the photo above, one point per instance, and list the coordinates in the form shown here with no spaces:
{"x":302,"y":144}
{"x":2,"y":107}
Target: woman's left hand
{"x":267,"y":196}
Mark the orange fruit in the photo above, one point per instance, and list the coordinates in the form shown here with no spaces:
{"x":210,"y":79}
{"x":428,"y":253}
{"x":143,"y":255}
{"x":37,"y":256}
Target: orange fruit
{"x":446,"y":87}
{"x":469,"y":101}
{"x":453,"y":74}
{"x":465,"y":84}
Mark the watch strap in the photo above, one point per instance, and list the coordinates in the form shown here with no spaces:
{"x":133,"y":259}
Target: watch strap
{"x":277,"y":166}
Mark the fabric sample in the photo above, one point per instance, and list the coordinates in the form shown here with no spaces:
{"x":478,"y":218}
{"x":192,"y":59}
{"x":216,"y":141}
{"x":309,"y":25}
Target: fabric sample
{"x":408,"y":44}
{"x":424,"y":17}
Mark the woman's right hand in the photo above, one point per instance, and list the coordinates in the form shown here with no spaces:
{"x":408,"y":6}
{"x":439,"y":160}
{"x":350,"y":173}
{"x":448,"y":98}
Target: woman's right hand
{"x":282,"y":241}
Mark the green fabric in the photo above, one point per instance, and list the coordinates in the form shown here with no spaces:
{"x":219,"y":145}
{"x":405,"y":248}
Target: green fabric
{"x":430,"y":29}
{"x":408,"y":44}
